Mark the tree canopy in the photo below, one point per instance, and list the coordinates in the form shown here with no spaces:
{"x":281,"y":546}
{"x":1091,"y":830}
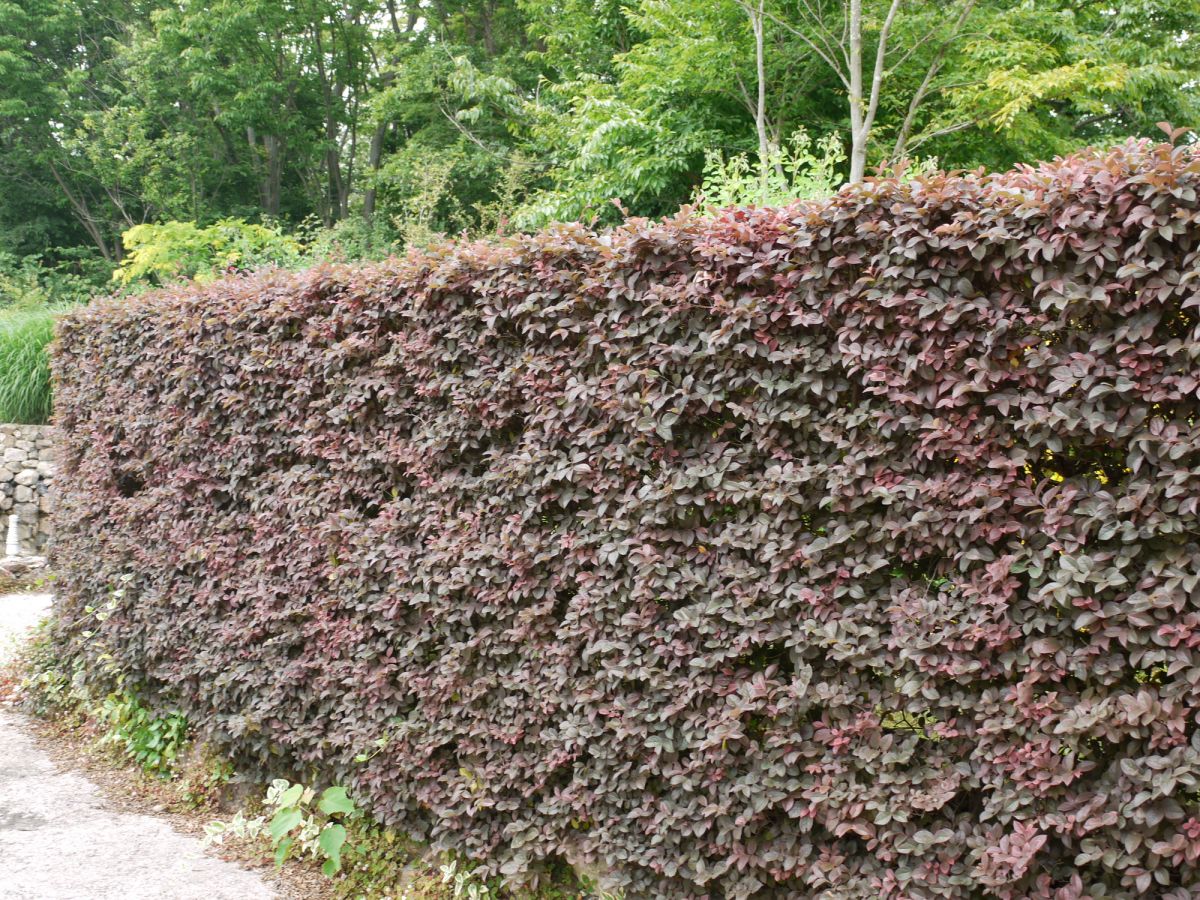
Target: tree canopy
{"x":379,"y":122}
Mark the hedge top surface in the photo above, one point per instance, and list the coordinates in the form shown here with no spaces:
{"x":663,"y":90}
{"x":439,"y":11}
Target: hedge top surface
{"x":848,"y":549}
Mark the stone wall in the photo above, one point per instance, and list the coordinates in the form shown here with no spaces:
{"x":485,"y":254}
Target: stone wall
{"x":26,"y":475}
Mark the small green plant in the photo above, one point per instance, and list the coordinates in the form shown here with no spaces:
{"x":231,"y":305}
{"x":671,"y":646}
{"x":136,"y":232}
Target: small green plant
{"x":55,"y":684}
{"x":464,"y":882}
{"x":296,"y":826}
{"x":95,"y":616}
{"x":803,"y":170}
{"x":150,"y":739}
{"x":375,"y":859}
{"x":203,"y":783}
{"x":29,"y":282}
{"x":424,"y":197}
{"x":348,"y":239}
{"x":52,"y":685}
{"x":47,"y":686}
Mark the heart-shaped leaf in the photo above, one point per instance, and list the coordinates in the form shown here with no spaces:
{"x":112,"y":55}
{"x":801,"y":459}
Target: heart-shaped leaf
{"x":282,"y":851}
{"x":334,"y":801}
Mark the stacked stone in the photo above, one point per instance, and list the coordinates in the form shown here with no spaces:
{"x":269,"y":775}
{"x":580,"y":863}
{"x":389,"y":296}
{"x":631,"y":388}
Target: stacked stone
{"x":26,"y":477}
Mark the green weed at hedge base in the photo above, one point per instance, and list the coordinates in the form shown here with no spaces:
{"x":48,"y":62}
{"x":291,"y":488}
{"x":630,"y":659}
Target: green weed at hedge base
{"x":375,"y":863}
{"x":46,"y":679}
{"x":367,"y":861}
{"x":24,"y":369}
{"x":151,"y":739}
{"x":52,"y":686}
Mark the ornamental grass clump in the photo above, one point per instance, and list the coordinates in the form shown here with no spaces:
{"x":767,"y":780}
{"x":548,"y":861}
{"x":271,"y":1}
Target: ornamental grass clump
{"x":846,"y":549}
{"x":25,"y":390}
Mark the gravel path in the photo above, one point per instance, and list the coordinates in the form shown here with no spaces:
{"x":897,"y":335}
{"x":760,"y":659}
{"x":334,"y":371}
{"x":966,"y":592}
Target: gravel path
{"x":59,"y":841}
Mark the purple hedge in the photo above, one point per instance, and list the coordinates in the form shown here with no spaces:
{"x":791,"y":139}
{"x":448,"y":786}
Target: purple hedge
{"x":849,"y":550}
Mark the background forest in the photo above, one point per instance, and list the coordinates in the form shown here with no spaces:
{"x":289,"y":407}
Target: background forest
{"x":154,"y":139}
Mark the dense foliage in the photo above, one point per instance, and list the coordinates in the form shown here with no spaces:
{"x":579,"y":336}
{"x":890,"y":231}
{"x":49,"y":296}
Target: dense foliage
{"x":162,"y":253}
{"x":32,"y":296}
{"x":396,"y":120}
{"x":25,"y":390}
{"x":846,"y":549}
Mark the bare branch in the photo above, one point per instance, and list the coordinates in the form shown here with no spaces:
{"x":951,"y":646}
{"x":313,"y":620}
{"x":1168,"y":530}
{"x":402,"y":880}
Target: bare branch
{"x":79,"y":204}
{"x":942,"y":132}
{"x":818,"y":49}
{"x":935,"y":66}
{"x":470,"y":136}
{"x":745,"y":94}
{"x":830,"y":40}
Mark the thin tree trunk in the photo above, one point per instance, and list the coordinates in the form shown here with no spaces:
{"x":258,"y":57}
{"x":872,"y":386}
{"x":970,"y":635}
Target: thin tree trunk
{"x":379,"y":136}
{"x":274,"y":180}
{"x":270,"y":173}
{"x":391,"y":8}
{"x":756,"y":12}
{"x":844,"y":56}
{"x":374,"y":157}
{"x":862,"y":110}
{"x":333,"y":163}
{"x":334,"y":178}
{"x":487,"y":15}
{"x":858,"y":134}
{"x":348,"y":178}
{"x":760,"y":113}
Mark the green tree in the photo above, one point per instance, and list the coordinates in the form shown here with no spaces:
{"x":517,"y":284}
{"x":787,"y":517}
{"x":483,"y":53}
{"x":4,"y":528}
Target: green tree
{"x":446,"y":112}
{"x":56,"y":62}
{"x":272,"y":90}
{"x":1045,"y":78}
{"x":400,"y":120}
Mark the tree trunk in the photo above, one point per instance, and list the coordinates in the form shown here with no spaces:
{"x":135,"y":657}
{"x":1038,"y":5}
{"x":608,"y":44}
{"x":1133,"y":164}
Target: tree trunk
{"x":488,"y":15}
{"x":333,"y":162}
{"x":862,"y":112}
{"x":270,"y":170}
{"x":374,"y":157}
{"x":760,"y":112}
{"x":858,"y":133}
{"x":348,"y":177}
{"x":274,"y":179}
{"x":333,"y":168}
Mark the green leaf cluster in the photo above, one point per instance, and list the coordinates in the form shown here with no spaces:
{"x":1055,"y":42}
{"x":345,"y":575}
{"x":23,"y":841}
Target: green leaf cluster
{"x":156,"y":254}
{"x":299,"y":825}
{"x":150,"y":738}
